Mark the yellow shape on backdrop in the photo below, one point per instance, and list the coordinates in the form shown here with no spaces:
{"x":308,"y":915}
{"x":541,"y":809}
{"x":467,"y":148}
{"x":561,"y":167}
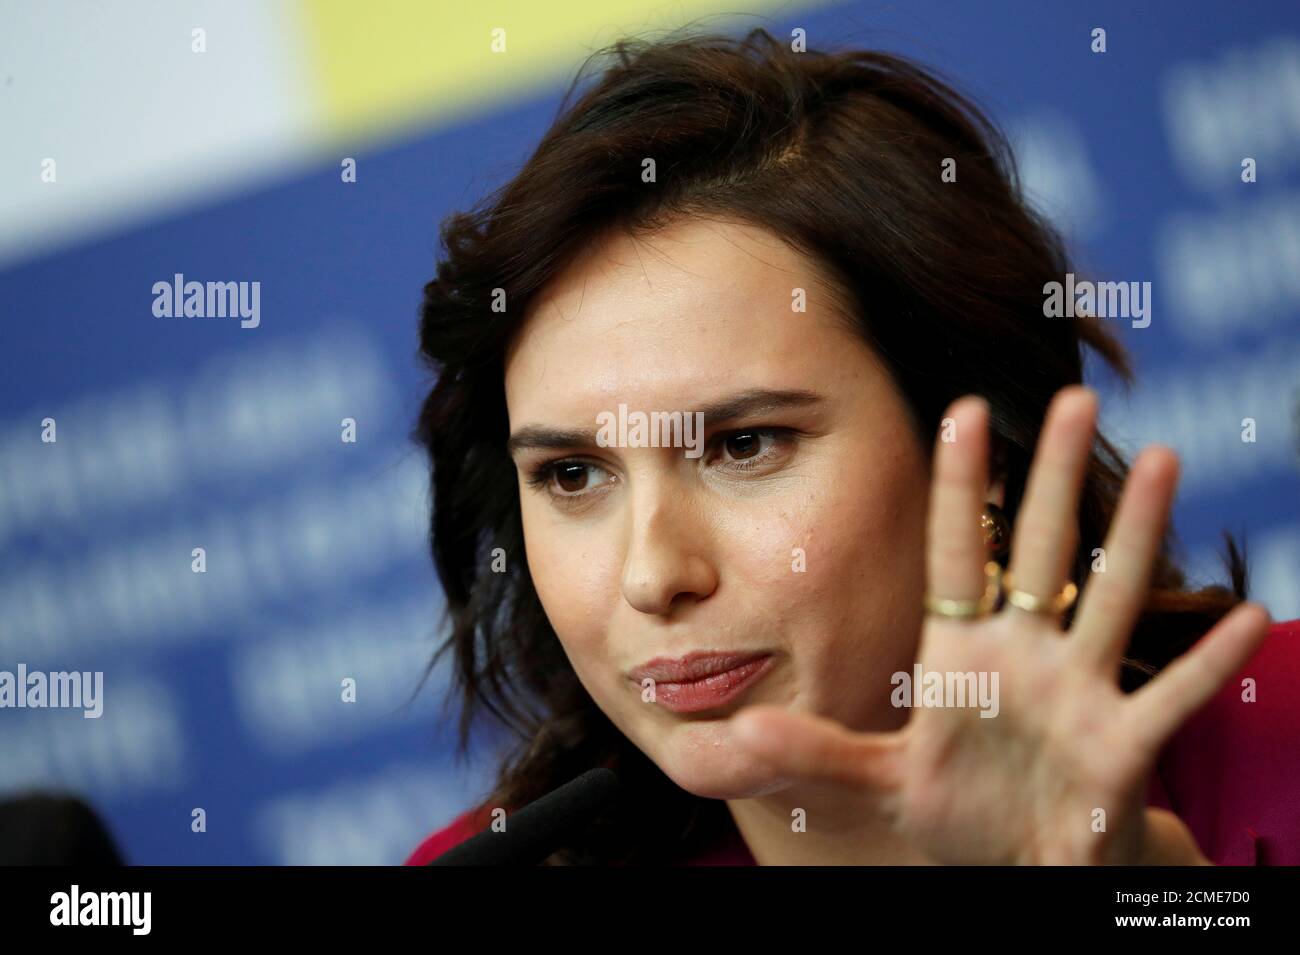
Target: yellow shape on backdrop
{"x":385,"y":64}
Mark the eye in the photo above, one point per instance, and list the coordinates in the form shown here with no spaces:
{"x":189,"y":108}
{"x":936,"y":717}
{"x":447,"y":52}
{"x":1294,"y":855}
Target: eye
{"x":567,"y":479}
{"x":746,"y":445}
{"x":753,"y":448}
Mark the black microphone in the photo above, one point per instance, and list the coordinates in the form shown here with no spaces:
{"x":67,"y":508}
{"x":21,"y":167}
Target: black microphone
{"x":541,"y":827}
{"x":54,"y":829}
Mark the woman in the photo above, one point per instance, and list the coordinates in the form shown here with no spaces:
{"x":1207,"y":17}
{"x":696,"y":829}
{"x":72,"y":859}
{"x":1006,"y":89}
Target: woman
{"x":825,"y":260}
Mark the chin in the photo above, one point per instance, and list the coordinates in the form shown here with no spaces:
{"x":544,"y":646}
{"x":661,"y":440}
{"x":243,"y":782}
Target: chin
{"x":701,"y":758}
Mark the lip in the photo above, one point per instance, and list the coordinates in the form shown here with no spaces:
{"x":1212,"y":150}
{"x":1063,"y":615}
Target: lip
{"x":701,"y":680}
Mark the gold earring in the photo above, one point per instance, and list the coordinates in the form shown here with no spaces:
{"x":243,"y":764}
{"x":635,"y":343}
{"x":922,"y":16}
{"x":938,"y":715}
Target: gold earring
{"x":997,"y":530}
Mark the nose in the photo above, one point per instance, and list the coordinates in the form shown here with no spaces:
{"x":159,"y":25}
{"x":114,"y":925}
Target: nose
{"x":667,"y":558}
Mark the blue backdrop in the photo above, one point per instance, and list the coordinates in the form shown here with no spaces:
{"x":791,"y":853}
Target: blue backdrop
{"x":223,"y":688}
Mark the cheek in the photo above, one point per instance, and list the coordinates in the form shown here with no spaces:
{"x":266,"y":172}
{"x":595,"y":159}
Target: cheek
{"x":840,"y":545}
{"x":847,"y":602}
{"x":576,"y":575}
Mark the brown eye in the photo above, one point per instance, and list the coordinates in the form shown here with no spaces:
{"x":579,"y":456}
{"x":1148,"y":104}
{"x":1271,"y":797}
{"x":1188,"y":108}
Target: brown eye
{"x":745,"y":445}
{"x":571,"y":478}
{"x":753,"y":451}
{"x":569,"y":482}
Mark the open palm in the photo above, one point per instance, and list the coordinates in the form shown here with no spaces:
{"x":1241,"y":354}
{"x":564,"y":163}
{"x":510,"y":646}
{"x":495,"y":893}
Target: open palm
{"x":1058,"y":775}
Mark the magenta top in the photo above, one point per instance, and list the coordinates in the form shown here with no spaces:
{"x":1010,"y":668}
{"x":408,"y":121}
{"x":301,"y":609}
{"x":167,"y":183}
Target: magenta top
{"x":1231,"y":773}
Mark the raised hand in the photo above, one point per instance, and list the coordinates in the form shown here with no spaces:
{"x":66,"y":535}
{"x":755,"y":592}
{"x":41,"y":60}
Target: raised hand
{"x":1058,"y":776}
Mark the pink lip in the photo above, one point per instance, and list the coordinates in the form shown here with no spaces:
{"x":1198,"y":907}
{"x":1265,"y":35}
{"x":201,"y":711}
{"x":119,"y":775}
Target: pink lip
{"x":701,"y":680}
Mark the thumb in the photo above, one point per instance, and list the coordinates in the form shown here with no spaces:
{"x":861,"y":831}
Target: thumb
{"x":817,"y":748}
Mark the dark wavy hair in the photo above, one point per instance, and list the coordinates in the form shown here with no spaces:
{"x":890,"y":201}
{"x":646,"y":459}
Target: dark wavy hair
{"x":839,"y":154}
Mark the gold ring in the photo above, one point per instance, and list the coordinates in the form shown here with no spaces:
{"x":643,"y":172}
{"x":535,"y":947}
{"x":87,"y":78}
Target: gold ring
{"x":969,"y":609}
{"x":1053,"y":605}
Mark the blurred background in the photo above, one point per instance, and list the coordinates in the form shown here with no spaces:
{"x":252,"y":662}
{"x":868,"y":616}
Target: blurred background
{"x":313,"y":146}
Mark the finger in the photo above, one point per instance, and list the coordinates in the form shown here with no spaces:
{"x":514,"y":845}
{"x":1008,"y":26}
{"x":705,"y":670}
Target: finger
{"x":817,"y":748}
{"x":955,"y":552}
{"x":1113,"y":597}
{"x":1046,"y":531}
{"x":1159,"y":708}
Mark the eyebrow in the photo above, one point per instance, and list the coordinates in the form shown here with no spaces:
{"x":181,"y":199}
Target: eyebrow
{"x":743,"y":404}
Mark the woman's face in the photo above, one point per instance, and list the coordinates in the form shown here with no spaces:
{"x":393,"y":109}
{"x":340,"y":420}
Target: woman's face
{"x":795,"y":532}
